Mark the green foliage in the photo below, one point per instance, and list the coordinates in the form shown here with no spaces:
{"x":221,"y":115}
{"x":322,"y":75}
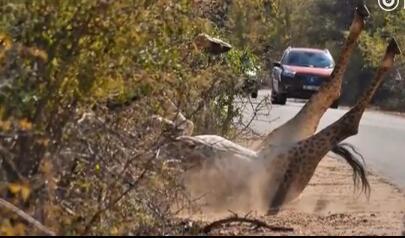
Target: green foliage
{"x":59,"y":59}
{"x":100,"y":50}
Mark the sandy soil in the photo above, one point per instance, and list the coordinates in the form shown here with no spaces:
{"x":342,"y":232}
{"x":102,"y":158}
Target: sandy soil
{"x":329,"y":206}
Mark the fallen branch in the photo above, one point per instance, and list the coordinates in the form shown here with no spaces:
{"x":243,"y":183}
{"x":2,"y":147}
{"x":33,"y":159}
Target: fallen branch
{"x":208,"y":228}
{"x":26,"y":217}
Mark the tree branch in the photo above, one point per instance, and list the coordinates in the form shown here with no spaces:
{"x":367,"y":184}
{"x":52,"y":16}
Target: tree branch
{"x":26,"y":217}
{"x":208,"y":228}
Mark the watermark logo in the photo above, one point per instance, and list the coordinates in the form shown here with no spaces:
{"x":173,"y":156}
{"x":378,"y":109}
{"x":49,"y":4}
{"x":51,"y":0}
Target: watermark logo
{"x":388,"y":5}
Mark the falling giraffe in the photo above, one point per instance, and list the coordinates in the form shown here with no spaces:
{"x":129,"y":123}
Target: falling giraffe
{"x":289,"y":155}
{"x":301,"y":158}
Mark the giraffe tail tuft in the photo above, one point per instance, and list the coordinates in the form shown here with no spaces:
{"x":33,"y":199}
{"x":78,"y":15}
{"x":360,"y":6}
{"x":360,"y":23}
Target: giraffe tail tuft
{"x":350,"y":155}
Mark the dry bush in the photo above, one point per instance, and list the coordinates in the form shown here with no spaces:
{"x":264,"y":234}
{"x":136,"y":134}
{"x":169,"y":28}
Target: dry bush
{"x":79,"y":83}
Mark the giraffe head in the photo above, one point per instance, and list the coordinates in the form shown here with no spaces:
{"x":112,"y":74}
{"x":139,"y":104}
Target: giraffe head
{"x":181,"y":153}
{"x":201,"y":41}
{"x":362,"y":10}
{"x":360,"y":16}
{"x":212,"y":45}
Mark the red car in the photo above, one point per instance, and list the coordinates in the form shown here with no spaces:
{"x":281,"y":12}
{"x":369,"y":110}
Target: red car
{"x":300,"y":74}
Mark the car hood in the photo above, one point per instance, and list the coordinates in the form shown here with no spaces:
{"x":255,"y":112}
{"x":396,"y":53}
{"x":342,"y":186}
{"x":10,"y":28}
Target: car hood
{"x":309,"y":70}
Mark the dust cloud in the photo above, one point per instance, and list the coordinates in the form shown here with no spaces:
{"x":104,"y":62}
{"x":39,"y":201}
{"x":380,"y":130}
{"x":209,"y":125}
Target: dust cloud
{"x":229,"y":185}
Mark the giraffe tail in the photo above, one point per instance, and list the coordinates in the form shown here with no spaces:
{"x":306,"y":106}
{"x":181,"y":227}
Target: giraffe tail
{"x":350,"y":155}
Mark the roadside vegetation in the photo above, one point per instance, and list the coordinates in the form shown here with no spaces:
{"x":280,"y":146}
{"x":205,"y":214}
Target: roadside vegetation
{"x":81,"y":80}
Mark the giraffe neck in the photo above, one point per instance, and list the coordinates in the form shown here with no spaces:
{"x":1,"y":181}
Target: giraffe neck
{"x":367,"y":96}
{"x":312,"y":112}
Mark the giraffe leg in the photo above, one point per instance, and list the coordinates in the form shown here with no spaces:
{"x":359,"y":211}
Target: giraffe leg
{"x":307,"y":153}
{"x":305,"y":123}
{"x":348,"y":124}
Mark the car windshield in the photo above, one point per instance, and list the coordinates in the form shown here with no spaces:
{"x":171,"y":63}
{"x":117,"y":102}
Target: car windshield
{"x":309,"y":59}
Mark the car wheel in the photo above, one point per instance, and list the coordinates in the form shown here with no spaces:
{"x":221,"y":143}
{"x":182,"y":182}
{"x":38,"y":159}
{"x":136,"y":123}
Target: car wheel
{"x":274,"y":98}
{"x":278,"y":99}
{"x":254,"y":94}
{"x":283,"y":99}
{"x":335,"y":104}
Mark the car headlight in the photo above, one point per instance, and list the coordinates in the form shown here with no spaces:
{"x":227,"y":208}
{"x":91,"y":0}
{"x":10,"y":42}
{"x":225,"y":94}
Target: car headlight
{"x":288,"y":73}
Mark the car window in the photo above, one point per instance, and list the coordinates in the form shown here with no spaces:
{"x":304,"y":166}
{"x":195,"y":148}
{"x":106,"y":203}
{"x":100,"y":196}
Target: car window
{"x":309,"y":59}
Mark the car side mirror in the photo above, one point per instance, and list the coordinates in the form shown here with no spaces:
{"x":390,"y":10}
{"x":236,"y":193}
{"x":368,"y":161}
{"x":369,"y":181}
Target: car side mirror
{"x":277,"y":64}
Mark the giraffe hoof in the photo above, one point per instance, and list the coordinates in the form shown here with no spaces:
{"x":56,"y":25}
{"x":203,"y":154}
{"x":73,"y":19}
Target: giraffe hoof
{"x":273,"y":211}
{"x":362,"y":10}
{"x":394,"y":47}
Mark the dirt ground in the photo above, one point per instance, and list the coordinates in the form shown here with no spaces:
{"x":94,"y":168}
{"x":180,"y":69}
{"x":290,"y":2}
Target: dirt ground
{"x":330,"y":206}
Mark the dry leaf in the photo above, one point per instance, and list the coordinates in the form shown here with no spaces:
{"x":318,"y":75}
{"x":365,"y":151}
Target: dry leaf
{"x":25,"y":125}
{"x":23,"y":189}
{"x":114,"y":231}
{"x":25,"y":192}
{"x":5,"y":125}
{"x":44,"y":142}
{"x":14,"y":188}
{"x":46,"y":167}
{"x":19,"y":229}
{"x":6,"y":229}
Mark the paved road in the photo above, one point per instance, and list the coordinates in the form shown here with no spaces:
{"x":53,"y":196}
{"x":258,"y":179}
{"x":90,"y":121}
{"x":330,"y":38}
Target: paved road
{"x":381,"y":138}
